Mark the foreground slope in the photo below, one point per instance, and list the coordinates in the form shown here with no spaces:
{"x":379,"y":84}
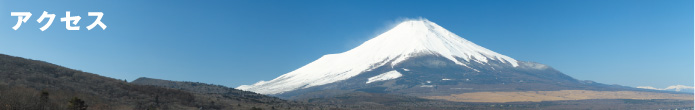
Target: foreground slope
{"x":216,"y":93}
{"x":22,"y":80}
{"x":31,"y":84}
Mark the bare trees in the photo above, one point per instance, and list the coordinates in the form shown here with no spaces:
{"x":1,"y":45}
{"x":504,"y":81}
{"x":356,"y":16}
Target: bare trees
{"x":77,"y":104}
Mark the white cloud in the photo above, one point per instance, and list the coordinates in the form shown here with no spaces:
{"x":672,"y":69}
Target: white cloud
{"x":674,"y":87}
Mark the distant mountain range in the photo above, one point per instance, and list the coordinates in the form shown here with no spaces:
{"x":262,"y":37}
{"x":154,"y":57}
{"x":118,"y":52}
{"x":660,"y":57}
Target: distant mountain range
{"x":677,"y":88}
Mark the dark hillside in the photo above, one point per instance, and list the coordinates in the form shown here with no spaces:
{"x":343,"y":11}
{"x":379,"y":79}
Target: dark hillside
{"x":30,"y":84}
{"x":223,"y":95}
{"x":23,"y":82}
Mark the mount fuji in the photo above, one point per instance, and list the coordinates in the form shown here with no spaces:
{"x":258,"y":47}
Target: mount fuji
{"x":420,"y":58}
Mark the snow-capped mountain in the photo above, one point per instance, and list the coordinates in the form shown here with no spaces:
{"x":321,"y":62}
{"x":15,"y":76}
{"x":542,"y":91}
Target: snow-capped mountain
{"x":420,"y":58}
{"x":677,"y":88}
{"x":406,"y":40}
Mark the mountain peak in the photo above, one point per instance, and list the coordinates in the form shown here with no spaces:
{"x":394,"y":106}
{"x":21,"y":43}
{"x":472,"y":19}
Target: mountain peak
{"x":408,"y":39}
{"x":424,"y":36}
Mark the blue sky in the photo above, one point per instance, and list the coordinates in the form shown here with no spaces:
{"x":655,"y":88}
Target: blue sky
{"x":625,"y":42}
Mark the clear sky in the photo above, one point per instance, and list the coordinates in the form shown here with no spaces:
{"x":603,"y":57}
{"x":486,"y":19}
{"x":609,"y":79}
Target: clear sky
{"x":625,"y":42}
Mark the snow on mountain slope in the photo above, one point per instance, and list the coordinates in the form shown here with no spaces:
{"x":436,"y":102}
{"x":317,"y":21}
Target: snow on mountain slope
{"x":407,"y":39}
{"x":393,"y":74}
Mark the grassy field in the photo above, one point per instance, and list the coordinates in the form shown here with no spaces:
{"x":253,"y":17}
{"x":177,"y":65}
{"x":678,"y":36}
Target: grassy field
{"x":537,"y":96}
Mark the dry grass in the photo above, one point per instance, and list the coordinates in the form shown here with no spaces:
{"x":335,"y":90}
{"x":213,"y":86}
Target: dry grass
{"x":537,"y":96}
